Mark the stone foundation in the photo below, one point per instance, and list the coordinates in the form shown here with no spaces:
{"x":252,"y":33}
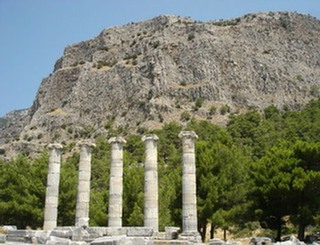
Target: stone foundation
{"x":72,"y":235}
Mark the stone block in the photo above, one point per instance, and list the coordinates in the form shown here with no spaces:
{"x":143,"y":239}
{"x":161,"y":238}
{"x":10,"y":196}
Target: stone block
{"x":135,"y":241}
{"x":96,"y":232}
{"x":58,"y":241}
{"x":42,"y":236}
{"x":84,"y":176}
{"x":53,"y":180}
{"x":173,"y":242}
{"x":80,"y":234}
{"x":115,"y":240}
{"x":260,"y":241}
{"x":116,"y":231}
{"x":139,"y":231}
{"x":49,"y":222}
{"x":192,"y":236}
{"x":172,"y":233}
{"x":82,"y":222}
{"x":83,"y":205}
{"x":85,"y":166}
{"x":54,"y":168}
{"x":52,"y":190}
{"x":52,"y":201}
{"x":84,"y":185}
{"x":62,"y":232}
{"x":9,"y":228}
{"x":216,"y":242}
{"x":16,"y":235}
{"x":2,"y":238}
{"x":84,"y":197}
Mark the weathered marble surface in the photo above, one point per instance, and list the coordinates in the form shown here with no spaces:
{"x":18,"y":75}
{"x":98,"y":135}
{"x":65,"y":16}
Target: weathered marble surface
{"x":151,"y":209}
{"x":116,"y":182}
{"x":83,"y":194}
{"x":52,"y":191}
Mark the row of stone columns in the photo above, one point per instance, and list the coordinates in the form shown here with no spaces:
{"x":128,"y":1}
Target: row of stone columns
{"x":151,"y":210}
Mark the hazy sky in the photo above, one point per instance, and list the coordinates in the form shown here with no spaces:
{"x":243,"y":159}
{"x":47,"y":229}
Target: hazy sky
{"x":34,"y":33}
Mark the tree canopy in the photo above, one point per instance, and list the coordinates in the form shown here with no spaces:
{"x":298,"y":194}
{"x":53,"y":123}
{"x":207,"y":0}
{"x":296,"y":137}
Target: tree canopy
{"x":262,"y":167}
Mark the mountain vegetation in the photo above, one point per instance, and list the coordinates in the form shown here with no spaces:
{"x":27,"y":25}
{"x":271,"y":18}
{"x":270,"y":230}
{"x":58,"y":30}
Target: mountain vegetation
{"x":261,"y":170}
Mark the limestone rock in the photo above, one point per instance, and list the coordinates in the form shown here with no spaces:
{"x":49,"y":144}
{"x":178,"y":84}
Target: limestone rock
{"x":144,"y":74}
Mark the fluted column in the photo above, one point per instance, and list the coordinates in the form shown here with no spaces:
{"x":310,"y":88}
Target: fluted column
{"x":116,"y":185}
{"x":189,"y":198}
{"x":151,"y":212}
{"x":84,"y":175}
{"x":52,"y":191}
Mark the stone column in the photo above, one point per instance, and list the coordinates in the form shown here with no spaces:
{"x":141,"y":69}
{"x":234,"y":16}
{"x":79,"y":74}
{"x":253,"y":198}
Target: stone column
{"x":52,"y":191}
{"x":83,"y":194}
{"x":189,"y":198}
{"x":116,"y":178}
{"x":151,"y":212}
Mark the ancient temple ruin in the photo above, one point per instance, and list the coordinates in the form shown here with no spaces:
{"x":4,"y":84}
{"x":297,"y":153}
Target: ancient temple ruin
{"x":82,"y":233}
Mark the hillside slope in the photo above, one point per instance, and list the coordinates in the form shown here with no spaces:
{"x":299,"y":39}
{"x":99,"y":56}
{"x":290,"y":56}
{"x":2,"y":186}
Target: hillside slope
{"x":169,"y":68}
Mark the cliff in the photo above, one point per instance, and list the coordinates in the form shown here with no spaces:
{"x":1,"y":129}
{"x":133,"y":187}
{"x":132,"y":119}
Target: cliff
{"x":171,"y":68}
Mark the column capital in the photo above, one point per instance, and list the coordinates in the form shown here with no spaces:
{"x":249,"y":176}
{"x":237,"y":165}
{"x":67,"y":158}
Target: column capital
{"x":150,"y":137}
{"x":118,"y":139}
{"x":188,"y":134}
{"x":86,"y":143}
{"x":55,"y":146}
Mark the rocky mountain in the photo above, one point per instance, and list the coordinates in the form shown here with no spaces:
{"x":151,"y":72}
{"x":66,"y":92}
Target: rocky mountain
{"x":171,"y":68}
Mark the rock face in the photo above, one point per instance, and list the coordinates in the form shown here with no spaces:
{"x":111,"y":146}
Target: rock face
{"x":12,"y":124}
{"x":144,"y":74}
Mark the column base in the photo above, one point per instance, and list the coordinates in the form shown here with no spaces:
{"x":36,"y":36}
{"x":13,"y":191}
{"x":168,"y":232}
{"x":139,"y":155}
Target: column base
{"x":193,"y":236}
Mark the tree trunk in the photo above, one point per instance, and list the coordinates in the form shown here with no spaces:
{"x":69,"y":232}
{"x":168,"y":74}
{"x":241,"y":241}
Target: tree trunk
{"x":225,"y":234}
{"x":279,"y":226}
{"x":301,"y":232}
{"x":203,"y":230}
{"x":212,"y":231}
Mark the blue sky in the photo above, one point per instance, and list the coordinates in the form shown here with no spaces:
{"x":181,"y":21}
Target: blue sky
{"x":34,"y":33}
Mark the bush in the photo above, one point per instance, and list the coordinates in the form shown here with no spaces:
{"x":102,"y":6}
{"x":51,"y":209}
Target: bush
{"x":198,"y":103}
{"x":104,"y":48}
{"x":224,"y":109}
{"x":314,"y":90}
{"x":183,"y":83}
{"x":155,"y":44}
{"x":213,"y":110}
{"x":191,"y":36}
{"x":185,"y":116}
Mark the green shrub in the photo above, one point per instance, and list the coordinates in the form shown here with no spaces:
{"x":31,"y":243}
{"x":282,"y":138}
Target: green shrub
{"x":183,"y":83}
{"x":199,"y":102}
{"x":224,"y":109}
{"x":299,"y":77}
{"x":191,"y":36}
{"x":185,"y":116}
{"x":314,"y":90}
{"x":213,"y":110}
{"x":155,"y":44}
{"x":104,"y":48}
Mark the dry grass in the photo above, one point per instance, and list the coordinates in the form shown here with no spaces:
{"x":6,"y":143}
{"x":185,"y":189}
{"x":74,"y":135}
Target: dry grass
{"x":3,"y":230}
